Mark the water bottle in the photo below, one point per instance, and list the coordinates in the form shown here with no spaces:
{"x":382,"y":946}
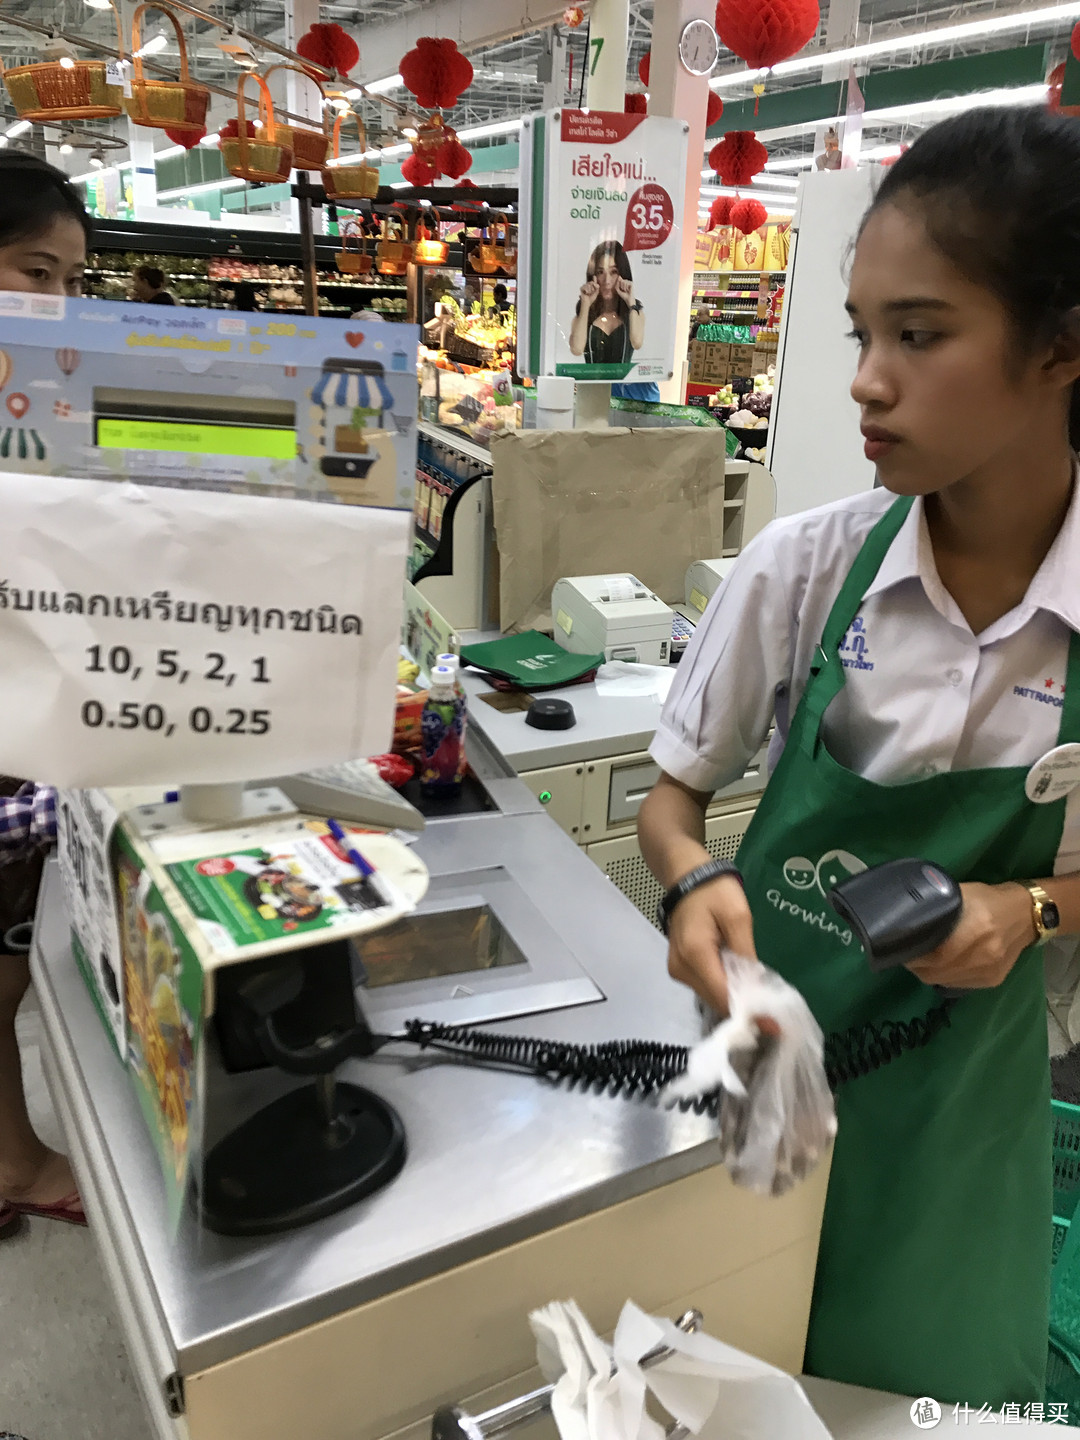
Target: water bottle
{"x":453,"y":662}
{"x":443,"y":737}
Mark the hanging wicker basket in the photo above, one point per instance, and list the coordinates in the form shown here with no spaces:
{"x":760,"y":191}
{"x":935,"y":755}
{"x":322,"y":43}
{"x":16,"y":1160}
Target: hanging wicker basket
{"x":165,"y":104}
{"x":51,"y":91}
{"x":353,"y":262}
{"x":256,"y":152}
{"x":309,"y":147}
{"x":393,"y":253}
{"x":429,"y":250}
{"x":505,"y":249}
{"x":355,"y":181}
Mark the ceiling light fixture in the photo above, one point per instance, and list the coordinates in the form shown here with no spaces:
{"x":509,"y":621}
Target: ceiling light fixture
{"x":19,"y":128}
{"x":97,"y":158}
{"x":66,"y":147}
{"x":99,"y":4}
{"x":943,"y":35}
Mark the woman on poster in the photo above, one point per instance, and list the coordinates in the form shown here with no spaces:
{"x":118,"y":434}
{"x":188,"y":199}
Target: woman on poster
{"x":609,"y":324}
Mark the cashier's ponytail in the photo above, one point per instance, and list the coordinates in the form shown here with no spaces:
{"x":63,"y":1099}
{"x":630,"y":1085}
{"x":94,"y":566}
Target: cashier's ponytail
{"x":999,"y":193}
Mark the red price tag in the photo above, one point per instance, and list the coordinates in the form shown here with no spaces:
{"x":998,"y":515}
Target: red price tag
{"x":649,"y":218}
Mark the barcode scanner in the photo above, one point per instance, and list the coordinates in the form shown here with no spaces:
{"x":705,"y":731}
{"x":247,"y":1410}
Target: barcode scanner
{"x":899,"y":911}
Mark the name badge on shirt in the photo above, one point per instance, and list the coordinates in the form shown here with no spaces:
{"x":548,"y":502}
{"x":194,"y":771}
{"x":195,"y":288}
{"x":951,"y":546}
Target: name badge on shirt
{"x":1054,"y":775}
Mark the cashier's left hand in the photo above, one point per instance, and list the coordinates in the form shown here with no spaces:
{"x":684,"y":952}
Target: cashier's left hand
{"x":995,"y":926}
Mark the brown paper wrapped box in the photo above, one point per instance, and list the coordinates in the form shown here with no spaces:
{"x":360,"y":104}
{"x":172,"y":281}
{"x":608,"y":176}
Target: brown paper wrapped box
{"x":595,"y":502}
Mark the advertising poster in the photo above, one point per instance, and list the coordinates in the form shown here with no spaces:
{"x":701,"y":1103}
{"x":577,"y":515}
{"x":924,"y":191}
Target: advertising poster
{"x":601,"y":243}
{"x":290,"y":406}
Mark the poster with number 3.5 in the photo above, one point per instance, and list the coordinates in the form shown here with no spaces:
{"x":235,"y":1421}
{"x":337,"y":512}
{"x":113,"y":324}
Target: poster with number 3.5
{"x":600,"y":243}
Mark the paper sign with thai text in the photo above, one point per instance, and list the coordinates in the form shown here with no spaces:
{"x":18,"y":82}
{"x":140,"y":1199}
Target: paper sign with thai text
{"x":153,"y":635}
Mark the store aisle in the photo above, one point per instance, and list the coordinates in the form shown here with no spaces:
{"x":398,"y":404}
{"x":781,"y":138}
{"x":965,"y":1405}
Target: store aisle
{"x":63,"y":1368}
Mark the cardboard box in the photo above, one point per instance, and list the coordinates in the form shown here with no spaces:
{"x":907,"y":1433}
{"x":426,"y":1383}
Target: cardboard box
{"x":698,"y":349}
{"x":742,"y":361}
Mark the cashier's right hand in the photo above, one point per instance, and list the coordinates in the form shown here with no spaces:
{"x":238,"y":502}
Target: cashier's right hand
{"x":712,"y":918}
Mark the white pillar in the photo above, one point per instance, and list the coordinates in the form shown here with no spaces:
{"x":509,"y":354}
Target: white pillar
{"x":609,"y":20}
{"x":674,"y":91}
{"x":143,"y":171}
{"x":841,"y":30}
{"x":555,"y":88}
{"x":301,"y":97}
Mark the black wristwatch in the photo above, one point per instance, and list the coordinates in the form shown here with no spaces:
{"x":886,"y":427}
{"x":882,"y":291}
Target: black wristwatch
{"x":638,"y":306}
{"x":711,"y":870}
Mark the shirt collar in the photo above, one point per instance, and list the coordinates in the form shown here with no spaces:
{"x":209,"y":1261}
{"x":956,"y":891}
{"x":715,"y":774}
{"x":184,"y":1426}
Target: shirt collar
{"x":1056,"y":586}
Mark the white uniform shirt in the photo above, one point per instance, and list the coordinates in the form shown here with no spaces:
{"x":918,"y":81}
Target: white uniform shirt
{"x":923,"y":693}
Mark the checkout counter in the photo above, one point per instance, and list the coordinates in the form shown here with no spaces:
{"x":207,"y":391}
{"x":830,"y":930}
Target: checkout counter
{"x":514,"y":1192}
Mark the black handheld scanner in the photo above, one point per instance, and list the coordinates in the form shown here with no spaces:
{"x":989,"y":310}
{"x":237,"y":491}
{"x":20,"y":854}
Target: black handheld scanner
{"x":899,"y":911}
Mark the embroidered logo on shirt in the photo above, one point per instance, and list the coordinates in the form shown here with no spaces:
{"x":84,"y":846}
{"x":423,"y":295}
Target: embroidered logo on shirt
{"x":853,"y":654}
{"x":1049,"y":693}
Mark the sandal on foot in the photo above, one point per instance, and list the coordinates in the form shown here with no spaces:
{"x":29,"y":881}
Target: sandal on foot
{"x":69,"y":1210}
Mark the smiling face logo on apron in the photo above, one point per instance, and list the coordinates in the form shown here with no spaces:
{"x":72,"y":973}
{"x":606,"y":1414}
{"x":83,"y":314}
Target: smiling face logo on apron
{"x":933,"y":1273}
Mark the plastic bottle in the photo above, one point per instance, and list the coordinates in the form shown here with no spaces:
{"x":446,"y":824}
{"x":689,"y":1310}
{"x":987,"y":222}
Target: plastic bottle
{"x":443,"y":737}
{"x":453,"y":662}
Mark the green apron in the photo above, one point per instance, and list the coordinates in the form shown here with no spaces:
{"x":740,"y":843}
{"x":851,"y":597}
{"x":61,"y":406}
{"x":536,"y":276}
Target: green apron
{"x":933,"y":1275}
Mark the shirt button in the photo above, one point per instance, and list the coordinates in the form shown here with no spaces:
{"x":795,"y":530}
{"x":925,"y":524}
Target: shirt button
{"x":954,"y":676}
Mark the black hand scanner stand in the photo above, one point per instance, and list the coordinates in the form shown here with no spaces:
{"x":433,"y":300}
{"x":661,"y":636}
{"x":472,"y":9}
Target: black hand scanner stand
{"x":320,"y":1147}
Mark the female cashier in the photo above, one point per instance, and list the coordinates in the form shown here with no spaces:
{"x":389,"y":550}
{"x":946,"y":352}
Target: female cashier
{"x":920,"y":647}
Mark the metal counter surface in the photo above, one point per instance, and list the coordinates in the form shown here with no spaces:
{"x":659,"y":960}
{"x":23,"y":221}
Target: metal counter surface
{"x":493,"y":1157}
{"x":605,"y":725}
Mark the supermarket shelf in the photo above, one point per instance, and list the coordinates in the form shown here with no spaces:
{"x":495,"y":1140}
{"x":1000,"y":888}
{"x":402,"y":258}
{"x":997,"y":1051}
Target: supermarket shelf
{"x":459,"y":442}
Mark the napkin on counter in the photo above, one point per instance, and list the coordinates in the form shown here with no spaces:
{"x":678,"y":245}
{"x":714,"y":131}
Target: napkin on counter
{"x":623,"y":678}
{"x":714,"y":1390}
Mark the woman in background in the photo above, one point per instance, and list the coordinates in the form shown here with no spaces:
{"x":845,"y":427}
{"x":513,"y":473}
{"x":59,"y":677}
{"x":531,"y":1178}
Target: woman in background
{"x":44,"y":232}
{"x":609,"y":324}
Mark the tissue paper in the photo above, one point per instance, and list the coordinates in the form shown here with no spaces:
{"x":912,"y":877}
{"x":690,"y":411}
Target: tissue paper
{"x":713,"y":1390}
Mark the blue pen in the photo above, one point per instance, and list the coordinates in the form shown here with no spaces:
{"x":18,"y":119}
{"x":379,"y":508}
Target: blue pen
{"x":355,"y":857}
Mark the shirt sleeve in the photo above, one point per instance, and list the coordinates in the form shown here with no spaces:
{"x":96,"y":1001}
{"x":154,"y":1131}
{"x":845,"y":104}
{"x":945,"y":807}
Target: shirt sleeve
{"x":27,"y":821}
{"x":723,"y":697}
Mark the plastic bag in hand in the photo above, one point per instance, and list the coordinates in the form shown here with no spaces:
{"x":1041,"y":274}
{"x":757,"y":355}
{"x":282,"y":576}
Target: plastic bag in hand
{"x":777,"y":1116}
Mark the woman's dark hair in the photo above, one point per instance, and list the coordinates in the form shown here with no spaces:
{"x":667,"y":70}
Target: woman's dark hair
{"x":613,"y":249}
{"x":154,"y":277}
{"x":999,"y":193}
{"x":33,"y":194}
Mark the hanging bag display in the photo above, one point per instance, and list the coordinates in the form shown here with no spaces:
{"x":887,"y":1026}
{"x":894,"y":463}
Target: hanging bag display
{"x":256,"y":153}
{"x":165,"y":104}
{"x":355,"y":181}
{"x":48,"y":90}
{"x":309,"y":146}
{"x":354,"y":261}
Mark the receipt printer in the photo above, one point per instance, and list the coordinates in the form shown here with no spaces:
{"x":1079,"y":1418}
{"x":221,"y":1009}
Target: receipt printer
{"x":702,"y":581}
{"x":613,"y":613}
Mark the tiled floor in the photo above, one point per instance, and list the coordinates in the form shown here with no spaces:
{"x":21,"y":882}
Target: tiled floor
{"x":64,"y":1374}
